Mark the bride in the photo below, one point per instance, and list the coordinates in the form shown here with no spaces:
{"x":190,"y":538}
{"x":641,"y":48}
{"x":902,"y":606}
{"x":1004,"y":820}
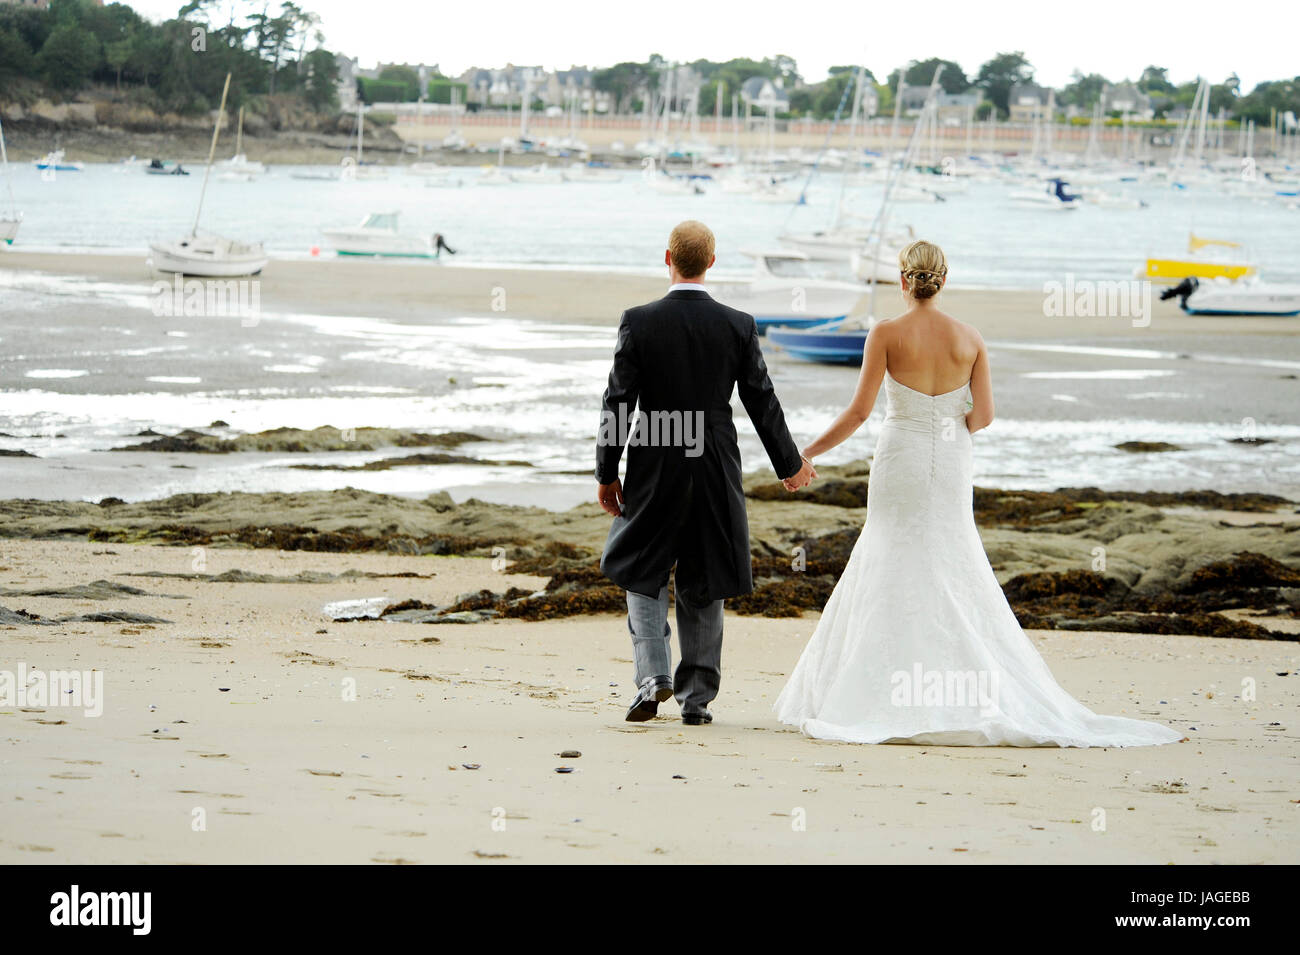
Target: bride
{"x":917,"y":644}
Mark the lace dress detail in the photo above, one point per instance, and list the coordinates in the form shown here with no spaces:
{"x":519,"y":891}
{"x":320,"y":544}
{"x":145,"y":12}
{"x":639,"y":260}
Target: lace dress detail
{"x":917,"y":643}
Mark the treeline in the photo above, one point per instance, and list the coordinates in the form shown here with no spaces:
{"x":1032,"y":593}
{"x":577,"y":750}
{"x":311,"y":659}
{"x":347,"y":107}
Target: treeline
{"x":1006,"y":70}
{"x":175,"y":66}
{"x":630,"y":83}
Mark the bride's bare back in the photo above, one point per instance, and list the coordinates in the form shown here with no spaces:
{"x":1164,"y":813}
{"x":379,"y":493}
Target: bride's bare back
{"x":923,"y":349}
{"x":929,"y":351}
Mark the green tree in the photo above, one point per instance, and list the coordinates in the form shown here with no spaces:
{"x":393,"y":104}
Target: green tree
{"x":921,"y":73}
{"x":1083,"y":91}
{"x":322,"y":77}
{"x":117,"y":54}
{"x":624,"y":82}
{"x":1271,"y":95}
{"x":998,"y":75}
{"x":68,"y":57}
{"x":1155,"y":81}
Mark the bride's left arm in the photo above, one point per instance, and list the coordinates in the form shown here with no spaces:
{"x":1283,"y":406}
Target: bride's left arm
{"x":864,"y":398}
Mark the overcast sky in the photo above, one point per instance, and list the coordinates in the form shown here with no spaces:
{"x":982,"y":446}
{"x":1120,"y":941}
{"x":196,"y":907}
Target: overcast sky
{"x":1257,"y":39}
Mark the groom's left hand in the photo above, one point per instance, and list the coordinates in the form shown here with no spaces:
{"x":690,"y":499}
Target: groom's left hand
{"x":610,"y":497}
{"x":802,"y":478}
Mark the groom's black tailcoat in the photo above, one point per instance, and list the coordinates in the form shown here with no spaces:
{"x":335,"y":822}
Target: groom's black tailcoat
{"x":684,"y":354}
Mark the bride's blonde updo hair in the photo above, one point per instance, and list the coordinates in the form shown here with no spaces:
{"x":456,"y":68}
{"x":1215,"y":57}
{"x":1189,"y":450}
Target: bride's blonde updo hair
{"x":924,"y":266}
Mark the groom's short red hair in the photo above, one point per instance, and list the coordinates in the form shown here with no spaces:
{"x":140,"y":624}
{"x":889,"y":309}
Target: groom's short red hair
{"x":691,"y":245}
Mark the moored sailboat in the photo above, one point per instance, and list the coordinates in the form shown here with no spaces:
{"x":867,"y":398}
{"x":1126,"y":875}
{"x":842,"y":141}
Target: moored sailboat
{"x":11,"y":220}
{"x":209,"y":256}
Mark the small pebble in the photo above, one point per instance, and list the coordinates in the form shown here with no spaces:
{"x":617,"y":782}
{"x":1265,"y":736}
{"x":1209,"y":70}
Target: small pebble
{"x":570,"y":754}
{"x":471,"y":765}
{"x":564,"y":769}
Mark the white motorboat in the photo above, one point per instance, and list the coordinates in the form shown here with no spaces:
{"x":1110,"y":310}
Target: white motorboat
{"x":378,"y":235}
{"x":1055,"y":195}
{"x":208,"y":256}
{"x":11,"y":220}
{"x":1222,"y":296}
{"x":589,"y":172}
{"x":205,"y":255}
{"x":790,"y":289}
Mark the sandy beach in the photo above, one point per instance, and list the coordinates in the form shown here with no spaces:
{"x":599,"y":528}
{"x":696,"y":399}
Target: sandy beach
{"x":452,"y":748}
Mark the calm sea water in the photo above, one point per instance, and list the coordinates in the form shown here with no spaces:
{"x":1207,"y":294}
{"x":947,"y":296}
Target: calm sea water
{"x":990,"y":241}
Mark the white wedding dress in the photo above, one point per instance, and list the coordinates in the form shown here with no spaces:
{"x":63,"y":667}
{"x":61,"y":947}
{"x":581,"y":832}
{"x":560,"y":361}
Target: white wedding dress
{"x":917,"y":644}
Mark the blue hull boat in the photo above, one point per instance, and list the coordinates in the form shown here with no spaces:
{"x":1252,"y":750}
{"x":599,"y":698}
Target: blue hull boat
{"x":824,"y":343}
{"x":764,"y":322}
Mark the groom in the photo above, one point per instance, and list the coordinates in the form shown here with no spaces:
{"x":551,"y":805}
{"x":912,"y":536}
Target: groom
{"x":679,"y":358}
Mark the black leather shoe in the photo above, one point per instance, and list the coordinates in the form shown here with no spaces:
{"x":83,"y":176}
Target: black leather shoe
{"x":696,"y":719}
{"x":646,"y":703}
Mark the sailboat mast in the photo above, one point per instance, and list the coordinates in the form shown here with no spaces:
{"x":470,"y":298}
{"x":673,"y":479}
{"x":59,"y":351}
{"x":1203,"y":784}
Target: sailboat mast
{"x":9,"y":179}
{"x":212,"y":152}
{"x":882,"y":217}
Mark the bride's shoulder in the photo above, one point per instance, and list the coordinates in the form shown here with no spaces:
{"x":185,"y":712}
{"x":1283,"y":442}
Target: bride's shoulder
{"x":969,"y":331}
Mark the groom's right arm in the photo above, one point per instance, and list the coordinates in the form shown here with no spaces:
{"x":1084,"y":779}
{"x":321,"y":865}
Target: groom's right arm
{"x":617,"y":406}
{"x":764,"y":410}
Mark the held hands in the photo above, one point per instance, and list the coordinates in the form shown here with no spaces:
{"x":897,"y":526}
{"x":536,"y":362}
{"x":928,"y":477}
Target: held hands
{"x":610,"y":497}
{"x":802,"y":478}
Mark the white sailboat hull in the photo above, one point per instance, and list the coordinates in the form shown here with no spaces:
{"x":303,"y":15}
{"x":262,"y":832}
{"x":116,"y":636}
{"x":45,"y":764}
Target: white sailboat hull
{"x":243,"y":165}
{"x":9,"y":230}
{"x":208,"y":256}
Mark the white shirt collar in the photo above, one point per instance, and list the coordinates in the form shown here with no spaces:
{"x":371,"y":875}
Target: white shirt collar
{"x":687,"y":287}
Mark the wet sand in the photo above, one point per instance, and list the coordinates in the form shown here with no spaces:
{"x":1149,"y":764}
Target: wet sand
{"x":393,"y":289}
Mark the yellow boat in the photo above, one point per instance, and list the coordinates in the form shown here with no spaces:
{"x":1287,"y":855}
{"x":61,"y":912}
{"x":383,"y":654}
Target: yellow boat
{"x":1206,"y":259}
